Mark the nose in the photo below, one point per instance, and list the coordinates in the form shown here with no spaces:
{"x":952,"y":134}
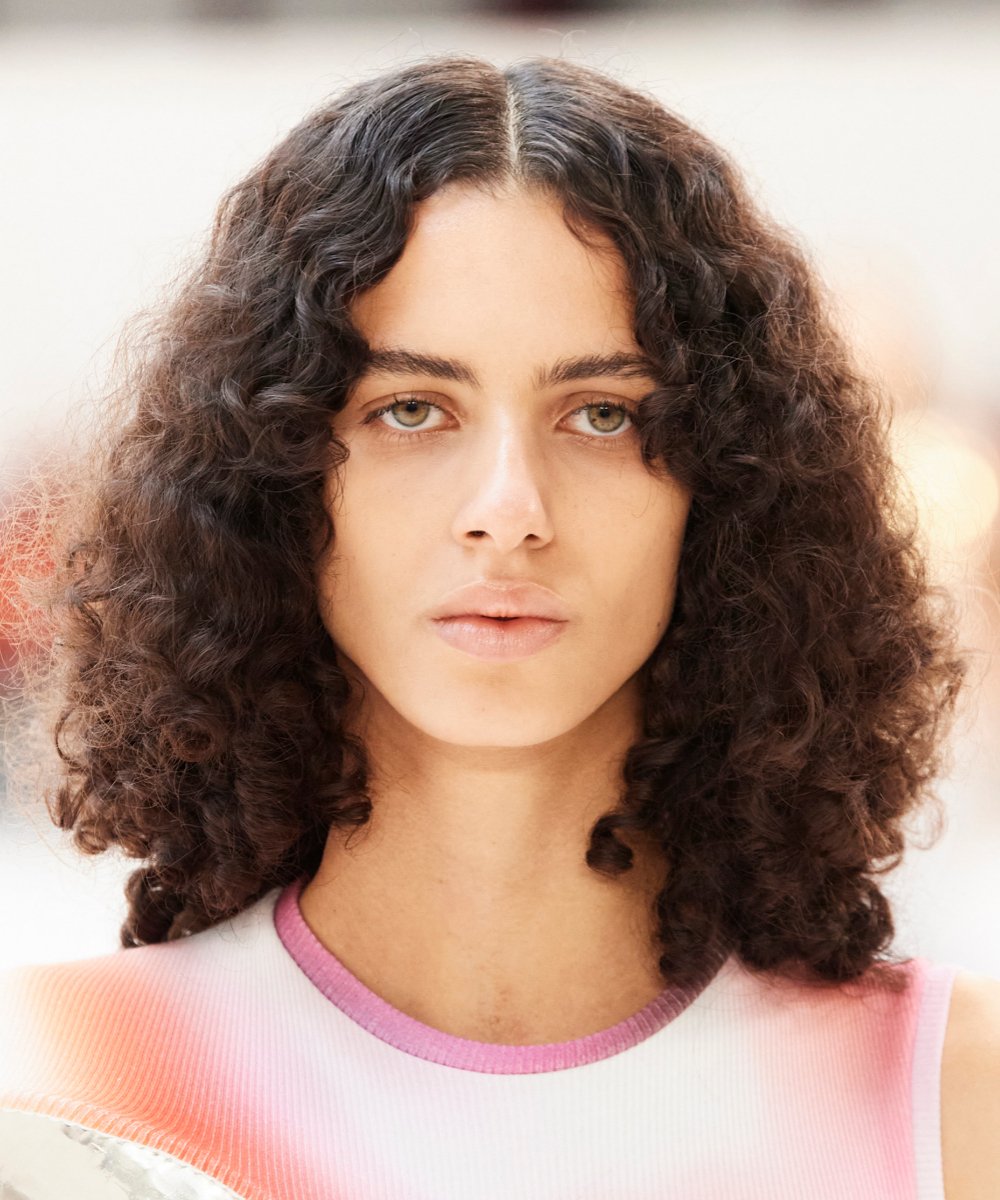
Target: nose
{"x":504,"y":490}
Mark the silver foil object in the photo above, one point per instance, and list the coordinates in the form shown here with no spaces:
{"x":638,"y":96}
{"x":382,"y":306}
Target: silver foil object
{"x":45,"y":1158}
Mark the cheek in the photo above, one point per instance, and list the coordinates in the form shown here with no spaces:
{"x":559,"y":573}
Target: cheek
{"x":643,"y":556}
{"x":376,"y":548}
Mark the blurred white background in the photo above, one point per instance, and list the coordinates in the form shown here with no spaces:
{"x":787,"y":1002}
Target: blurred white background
{"x":869,"y":131}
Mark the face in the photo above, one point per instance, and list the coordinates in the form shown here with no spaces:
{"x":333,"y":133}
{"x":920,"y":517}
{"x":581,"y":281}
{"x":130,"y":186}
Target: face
{"x":497,"y":465}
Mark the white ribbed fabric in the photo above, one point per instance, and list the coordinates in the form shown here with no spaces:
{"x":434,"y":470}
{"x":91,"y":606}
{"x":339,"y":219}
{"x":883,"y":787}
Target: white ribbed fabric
{"x":250,"y":1053}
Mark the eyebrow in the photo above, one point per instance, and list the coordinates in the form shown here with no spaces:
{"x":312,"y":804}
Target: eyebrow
{"x":397,"y":360}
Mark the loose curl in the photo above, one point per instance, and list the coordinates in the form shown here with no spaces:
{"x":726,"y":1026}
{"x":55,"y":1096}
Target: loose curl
{"x":795,"y":707}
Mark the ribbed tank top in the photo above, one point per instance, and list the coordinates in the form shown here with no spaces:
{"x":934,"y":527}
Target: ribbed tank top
{"x":248,"y":1061}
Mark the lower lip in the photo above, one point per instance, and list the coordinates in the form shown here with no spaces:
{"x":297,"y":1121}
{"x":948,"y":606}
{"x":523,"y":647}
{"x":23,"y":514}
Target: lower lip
{"x":486,"y":637}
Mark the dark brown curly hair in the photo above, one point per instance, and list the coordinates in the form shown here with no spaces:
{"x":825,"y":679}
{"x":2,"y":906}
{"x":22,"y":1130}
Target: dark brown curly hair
{"x":795,"y":707}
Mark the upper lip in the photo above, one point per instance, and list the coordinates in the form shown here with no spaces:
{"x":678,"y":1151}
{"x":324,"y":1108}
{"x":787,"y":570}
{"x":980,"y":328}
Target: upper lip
{"x":502,"y":598}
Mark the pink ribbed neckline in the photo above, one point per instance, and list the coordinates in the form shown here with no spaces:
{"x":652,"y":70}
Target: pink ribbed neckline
{"x":406,"y":1033}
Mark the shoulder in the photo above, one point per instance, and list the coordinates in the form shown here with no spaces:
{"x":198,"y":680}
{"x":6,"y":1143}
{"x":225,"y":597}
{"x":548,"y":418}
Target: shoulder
{"x":970,"y":1090}
{"x":83,"y":1023}
{"x":53,"y":1016}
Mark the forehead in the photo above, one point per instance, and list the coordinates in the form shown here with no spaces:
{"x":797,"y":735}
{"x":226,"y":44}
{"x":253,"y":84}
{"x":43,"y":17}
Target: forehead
{"x":481,"y":269}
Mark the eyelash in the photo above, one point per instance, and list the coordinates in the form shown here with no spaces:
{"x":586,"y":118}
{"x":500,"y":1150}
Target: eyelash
{"x":396,"y":435}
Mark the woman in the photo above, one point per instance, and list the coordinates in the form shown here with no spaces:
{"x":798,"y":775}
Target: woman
{"x":496,"y":629}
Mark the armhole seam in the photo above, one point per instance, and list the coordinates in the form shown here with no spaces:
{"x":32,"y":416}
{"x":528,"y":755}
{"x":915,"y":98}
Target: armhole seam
{"x":932,"y":1020}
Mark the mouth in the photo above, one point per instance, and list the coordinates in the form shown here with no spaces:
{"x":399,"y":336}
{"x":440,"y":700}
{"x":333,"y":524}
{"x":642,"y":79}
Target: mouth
{"x":499,"y":637}
{"x":494,"y":617}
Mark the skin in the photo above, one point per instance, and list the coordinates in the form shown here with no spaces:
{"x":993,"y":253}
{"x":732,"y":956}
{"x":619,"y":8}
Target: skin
{"x":970,"y":1090}
{"x":466,"y":902}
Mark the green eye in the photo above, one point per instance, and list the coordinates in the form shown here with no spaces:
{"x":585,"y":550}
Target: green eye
{"x":615,"y":412}
{"x":611,"y":419}
{"x":409,"y":405}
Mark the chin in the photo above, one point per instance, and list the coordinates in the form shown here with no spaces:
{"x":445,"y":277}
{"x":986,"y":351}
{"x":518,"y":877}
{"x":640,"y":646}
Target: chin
{"x":498,"y":729}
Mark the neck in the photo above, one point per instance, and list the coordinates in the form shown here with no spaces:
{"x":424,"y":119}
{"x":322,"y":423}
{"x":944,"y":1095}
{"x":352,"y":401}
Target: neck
{"x":466,"y":901}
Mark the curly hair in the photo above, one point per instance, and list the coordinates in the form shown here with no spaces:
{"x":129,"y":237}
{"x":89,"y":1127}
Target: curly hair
{"x":796,"y":706}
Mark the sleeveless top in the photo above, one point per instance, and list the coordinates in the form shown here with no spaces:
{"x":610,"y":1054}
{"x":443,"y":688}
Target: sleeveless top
{"x":247,"y":1061}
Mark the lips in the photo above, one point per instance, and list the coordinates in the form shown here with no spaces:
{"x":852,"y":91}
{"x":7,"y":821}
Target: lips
{"x":495,"y":638}
{"x":503,"y":600}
